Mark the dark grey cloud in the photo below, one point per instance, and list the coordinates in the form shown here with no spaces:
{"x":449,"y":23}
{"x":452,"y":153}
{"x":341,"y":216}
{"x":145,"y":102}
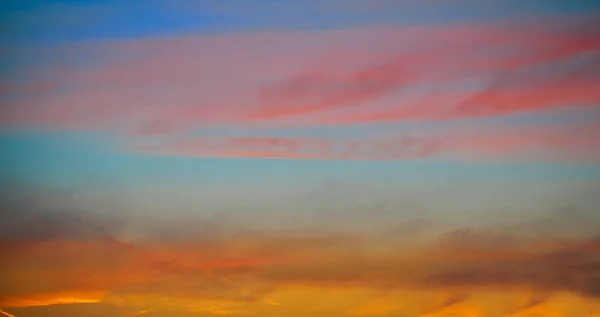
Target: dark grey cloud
{"x":48,"y":216}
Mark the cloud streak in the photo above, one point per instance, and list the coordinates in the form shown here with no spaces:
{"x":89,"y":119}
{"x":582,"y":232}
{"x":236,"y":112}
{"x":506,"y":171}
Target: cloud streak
{"x":546,"y":143}
{"x":178,"y":84}
{"x":6,"y":313}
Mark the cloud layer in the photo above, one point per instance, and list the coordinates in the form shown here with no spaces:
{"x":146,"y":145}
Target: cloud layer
{"x":301,"y":79}
{"x":356,"y":247}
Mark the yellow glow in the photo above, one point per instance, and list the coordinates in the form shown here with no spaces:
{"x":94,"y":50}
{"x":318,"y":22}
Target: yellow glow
{"x":351,"y":279}
{"x":299,"y":301}
{"x":52,"y":299}
{"x":6,"y":313}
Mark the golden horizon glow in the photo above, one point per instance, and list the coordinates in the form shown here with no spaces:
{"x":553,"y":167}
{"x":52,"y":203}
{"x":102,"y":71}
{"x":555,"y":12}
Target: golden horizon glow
{"x":356,"y":276}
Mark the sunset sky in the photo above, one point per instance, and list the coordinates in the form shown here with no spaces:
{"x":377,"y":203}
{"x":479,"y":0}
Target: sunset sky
{"x":300,"y":158}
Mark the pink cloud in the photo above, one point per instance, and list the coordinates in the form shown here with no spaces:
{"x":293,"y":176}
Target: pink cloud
{"x":512,"y":90}
{"x":564,"y":144}
{"x":343,"y":76}
{"x":495,"y":100}
{"x":290,"y":148}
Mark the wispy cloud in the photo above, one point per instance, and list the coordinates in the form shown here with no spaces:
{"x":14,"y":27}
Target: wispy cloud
{"x":178,"y":84}
{"x":156,"y":93}
{"x":574,"y":144}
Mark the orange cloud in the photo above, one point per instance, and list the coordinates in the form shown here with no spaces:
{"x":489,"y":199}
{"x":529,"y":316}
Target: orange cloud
{"x":6,"y":313}
{"x":76,"y":297}
{"x":338,"y":264}
{"x":179,"y":272}
{"x":174,"y":286}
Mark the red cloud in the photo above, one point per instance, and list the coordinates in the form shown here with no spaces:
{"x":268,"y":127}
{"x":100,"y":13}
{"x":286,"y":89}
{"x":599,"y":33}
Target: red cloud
{"x":492,"y":101}
{"x":534,"y":80}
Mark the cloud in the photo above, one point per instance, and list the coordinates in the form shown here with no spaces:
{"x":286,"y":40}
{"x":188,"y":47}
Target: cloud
{"x":570,"y":267}
{"x":319,"y":91}
{"x":266,"y":147}
{"x":82,"y":309}
{"x":42,"y":215}
{"x":314,"y":92}
{"x":545,"y":143}
{"x":172,"y":283}
{"x":519,"y":86}
{"x":364,"y":74}
{"x":349,"y":243}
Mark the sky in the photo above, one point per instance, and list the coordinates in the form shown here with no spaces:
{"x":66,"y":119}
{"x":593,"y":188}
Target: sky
{"x":331,"y":158}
